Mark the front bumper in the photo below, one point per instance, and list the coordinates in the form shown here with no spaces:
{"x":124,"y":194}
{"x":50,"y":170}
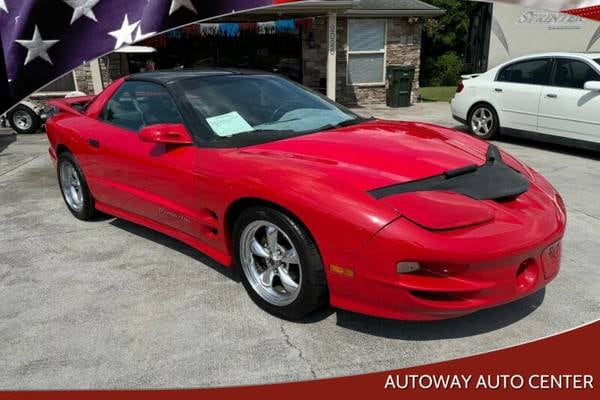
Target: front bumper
{"x":482,"y":269}
{"x":53,"y":156}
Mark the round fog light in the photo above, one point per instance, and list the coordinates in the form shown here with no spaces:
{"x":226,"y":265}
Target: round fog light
{"x":406,"y":267}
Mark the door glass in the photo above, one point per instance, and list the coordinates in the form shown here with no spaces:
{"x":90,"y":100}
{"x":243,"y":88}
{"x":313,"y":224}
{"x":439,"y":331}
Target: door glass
{"x":531,"y":72}
{"x":138,"y":104}
{"x":573,"y":74}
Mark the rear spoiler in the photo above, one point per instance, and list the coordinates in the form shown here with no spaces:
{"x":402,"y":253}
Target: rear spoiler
{"x":469,"y":76}
{"x":73,"y":105}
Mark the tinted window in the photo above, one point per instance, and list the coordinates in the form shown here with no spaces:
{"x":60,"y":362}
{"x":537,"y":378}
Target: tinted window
{"x":531,"y":72}
{"x":138,"y":104}
{"x":597,"y":61}
{"x":573,"y":74}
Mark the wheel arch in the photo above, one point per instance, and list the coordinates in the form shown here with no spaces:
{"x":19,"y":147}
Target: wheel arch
{"x":62,"y":148}
{"x":238,"y":206}
{"x":482,"y":103}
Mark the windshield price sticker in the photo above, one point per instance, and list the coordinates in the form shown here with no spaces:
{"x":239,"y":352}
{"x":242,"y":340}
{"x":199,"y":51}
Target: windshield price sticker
{"x":229,"y":124}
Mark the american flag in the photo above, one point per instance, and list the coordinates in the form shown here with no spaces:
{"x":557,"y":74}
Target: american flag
{"x":44,"y":39}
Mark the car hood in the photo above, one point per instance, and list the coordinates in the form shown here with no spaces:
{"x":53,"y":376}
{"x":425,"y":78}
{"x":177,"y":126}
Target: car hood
{"x":355,"y":161}
{"x":378,"y":153}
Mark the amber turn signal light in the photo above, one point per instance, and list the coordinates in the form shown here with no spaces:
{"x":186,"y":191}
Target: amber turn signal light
{"x":336,"y":269}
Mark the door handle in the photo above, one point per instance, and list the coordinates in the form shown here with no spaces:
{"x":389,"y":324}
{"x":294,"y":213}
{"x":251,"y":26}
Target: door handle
{"x":94,"y":143}
{"x":552,"y":95}
{"x":499,"y":90}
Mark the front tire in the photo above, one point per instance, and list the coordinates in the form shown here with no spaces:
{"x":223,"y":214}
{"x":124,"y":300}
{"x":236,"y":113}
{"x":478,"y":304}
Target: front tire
{"x":24,"y":120}
{"x":483,"y":121}
{"x":279,"y":263}
{"x":74,"y":188}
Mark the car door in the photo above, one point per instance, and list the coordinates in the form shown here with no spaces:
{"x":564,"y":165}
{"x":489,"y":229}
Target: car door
{"x":566,"y":108}
{"x":150,"y":180}
{"x":516,"y":93}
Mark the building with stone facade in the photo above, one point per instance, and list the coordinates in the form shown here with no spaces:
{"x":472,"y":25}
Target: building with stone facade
{"x":339,"y":47}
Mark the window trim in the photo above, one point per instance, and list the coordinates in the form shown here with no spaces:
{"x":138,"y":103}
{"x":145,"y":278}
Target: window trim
{"x":549,"y":69}
{"x":377,"y":52}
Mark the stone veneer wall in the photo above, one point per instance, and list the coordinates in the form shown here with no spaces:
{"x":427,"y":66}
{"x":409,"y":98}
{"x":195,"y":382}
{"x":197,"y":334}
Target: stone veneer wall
{"x":403,"y":47}
{"x":83,"y":76}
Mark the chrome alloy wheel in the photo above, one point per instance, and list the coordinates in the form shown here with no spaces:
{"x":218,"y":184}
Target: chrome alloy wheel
{"x":22,"y":120}
{"x":482,"y":121}
{"x":270,"y":262}
{"x":71,"y":186}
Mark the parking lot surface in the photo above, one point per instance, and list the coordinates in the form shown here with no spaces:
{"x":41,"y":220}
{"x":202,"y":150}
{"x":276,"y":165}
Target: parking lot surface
{"x":109,"y":304}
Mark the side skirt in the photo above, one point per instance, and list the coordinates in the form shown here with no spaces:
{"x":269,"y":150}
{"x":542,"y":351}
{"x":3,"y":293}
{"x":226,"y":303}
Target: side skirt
{"x":541,"y":137}
{"x":216,"y":255}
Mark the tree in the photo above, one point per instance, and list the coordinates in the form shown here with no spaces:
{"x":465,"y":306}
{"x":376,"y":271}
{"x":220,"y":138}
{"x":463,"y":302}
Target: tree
{"x":445,"y":41}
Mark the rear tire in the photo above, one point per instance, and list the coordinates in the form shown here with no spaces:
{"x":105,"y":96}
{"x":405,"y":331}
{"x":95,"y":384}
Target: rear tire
{"x":74,"y":188}
{"x":24,"y":120}
{"x":279,"y":263}
{"x":483,"y":121}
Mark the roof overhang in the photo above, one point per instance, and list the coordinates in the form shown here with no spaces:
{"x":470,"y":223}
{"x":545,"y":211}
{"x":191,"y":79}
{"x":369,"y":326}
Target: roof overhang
{"x":310,"y":8}
{"x":393,"y":13}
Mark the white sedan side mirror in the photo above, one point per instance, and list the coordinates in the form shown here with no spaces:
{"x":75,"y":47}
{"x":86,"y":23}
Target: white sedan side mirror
{"x":592,"y":85}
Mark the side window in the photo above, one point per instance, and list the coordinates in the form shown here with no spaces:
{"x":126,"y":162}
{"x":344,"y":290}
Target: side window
{"x":138,"y":104}
{"x":531,"y":72}
{"x":573,"y":74}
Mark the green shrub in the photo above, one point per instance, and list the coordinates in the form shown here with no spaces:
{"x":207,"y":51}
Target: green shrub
{"x":444,"y":70}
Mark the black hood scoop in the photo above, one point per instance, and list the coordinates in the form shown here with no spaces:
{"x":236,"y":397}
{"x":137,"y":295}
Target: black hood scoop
{"x":492,"y":181}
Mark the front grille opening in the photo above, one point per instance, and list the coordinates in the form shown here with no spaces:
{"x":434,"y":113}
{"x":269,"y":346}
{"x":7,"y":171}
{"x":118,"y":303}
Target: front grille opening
{"x":440,"y":296}
{"x":441,"y":270}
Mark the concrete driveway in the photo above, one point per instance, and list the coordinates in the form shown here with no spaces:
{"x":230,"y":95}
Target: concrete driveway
{"x":109,"y":304}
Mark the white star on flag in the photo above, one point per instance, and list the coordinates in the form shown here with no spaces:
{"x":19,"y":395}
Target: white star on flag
{"x":37,"y":47}
{"x":81,"y":8}
{"x":124,"y":35}
{"x":177,"y":4}
{"x":3,"y":6}
{"x":139,"y":36}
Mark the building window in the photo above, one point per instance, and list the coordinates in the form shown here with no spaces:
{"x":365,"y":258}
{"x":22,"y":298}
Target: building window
{"x":66,"y":83}
{"x":366,"y":51}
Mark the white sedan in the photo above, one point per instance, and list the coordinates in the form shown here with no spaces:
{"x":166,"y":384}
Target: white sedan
{"x":554,"y":97}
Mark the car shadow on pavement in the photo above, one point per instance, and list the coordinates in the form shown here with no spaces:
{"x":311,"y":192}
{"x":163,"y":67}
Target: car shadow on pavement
{"x":6,"y":140}
{"x":474,"y":324}
{"x":556,"y":148}
{"x":176,"y":245}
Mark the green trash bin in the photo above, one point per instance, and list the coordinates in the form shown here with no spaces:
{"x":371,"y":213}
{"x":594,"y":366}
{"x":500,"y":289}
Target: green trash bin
{"x":400,"y":80}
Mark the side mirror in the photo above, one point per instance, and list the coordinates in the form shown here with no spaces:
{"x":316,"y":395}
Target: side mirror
{"x":592,"y":85}
{"x":166,"y":133}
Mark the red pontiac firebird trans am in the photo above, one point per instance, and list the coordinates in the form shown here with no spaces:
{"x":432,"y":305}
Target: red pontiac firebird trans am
{"x":311,"y":203}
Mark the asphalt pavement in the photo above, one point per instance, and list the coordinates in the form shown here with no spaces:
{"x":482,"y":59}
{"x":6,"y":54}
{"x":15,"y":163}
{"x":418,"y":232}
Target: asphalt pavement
{"x":109,"y":304}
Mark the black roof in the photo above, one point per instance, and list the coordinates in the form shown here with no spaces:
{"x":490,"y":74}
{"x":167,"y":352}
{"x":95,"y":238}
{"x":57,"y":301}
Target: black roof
{"x":168,"y":77}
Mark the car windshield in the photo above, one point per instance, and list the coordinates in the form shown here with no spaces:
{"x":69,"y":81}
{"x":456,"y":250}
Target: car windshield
{"x":240,"y":105}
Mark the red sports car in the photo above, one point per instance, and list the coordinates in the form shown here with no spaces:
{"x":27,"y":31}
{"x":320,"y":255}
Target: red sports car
{"x":310,"y":202}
